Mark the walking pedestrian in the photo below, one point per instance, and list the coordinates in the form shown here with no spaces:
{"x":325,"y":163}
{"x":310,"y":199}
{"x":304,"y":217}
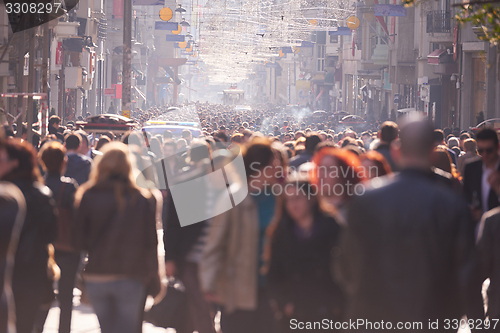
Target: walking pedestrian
{"x":303,"y":241}
{"x":31,"y":284}
{"x":409,"y":244}
{"x":116,"y":226}
{"x":53,"y":159}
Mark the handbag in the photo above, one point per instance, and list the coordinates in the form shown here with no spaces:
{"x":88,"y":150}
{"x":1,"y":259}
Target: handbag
{"x":171,"y":311}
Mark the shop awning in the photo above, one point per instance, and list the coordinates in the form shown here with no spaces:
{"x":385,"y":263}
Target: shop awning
{"x":434,"y":56}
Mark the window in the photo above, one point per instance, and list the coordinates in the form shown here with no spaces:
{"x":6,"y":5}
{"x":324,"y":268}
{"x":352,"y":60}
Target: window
{"x":334,"y":39}
{"x":320,"y":67}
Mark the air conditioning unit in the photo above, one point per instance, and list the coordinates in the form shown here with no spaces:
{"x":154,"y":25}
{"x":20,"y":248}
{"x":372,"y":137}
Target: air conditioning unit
{"x":66,"y":29}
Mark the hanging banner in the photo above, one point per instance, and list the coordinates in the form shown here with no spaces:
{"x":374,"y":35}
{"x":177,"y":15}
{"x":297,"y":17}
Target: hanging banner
{"x":162,"y":25}
{"x":341,"y":31}
{"x":175,"y":38}
{"x":118,"y":9}
{"x":389,"y":10}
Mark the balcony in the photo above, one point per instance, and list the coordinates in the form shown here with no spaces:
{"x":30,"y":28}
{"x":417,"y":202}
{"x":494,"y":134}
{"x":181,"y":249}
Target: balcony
{"x":439,"y":21}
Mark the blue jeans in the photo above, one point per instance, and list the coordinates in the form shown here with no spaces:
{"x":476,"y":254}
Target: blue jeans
{"x":119,"y":304}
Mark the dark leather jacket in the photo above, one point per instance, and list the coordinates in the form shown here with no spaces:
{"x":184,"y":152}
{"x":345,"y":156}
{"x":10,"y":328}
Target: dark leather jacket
{"x":119,"y":241}
{"x":408,"y":250}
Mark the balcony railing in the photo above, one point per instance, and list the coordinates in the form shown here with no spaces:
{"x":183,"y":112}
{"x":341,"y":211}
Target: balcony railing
{"x":439,"y":21}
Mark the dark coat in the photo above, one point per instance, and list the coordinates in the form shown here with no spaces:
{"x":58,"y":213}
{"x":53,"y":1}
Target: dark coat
{"x":39,"y":230}
{"x":179,"y":241}
{"x":488,"y":248}
{"x":301,"y":158}
{"x":78,"y":168}
{"x":12,"y":209}
{"x":408,"y":251}
{"x":55,"y":182}
{"x":385,"y":150}
{"x":300,"y":269}
{"x":473,"y":174}
{"x":118,"y":242}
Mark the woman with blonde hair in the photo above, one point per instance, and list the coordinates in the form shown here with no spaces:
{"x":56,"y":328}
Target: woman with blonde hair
{"x":116,"y":225}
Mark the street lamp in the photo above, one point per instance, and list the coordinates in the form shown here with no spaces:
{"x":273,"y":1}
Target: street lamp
{"x":184,"y":23}
{"x":180,"y":9}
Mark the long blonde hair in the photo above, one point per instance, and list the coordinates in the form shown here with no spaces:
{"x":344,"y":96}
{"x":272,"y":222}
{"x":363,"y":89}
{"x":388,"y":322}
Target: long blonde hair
{"x":113,"y":169}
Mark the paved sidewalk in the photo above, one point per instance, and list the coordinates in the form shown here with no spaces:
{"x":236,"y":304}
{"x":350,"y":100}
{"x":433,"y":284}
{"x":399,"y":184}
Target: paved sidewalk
{"x":85,"y":321}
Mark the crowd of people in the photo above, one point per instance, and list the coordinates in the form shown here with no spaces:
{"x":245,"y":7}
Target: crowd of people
{"x":397,"y":225}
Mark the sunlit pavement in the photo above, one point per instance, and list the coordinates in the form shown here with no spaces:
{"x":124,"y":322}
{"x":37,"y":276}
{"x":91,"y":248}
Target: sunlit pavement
{"x":85,"y":321}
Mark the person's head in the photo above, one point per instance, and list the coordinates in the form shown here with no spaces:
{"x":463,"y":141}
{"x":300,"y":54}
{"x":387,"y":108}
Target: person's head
{"x":487,"y":145}
{"x":348,"y":141}
{"x":53,"y":157}
{"x":470,"y":146}
{"x":54,"y":121}
{"x":23,"y":156}
{"x":438,"y":137}
{"x":221,"y":136}
{"x":300,"y":202}
{"x":375,"y":164}
{"x":169,"y":148}
{"x":464,"y":136}
{"x":336,"y":173}
{"x":299,"y":134}
{"x":181,"y":145}
{"x":415,"y":146}
{"x":237,"y":138}
{"x":85,"y":147}
{"x":198,"y":151}
{"x":350,"y":134}
{"x":113,"y":170}
{"x":442,"y":160}
{"x":366,"y":138}
{"x":73,"y":142}
{"x":388,"y":132}
{"x":247,"y":134}
{"x":103,"y":139}
{"x":312,"y":140}
{"x":453,"y":142}
{"x":261,"y":163}
{"x":168,"y":134}
{"x":155,"y":147}
{"x":186,"y":135}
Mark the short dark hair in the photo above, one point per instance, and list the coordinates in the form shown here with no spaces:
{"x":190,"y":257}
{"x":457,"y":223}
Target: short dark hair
{"x":185,"y":133}
{"x":54,"y":120}
{"x":464,"y":136}
{"x":73,"y":141}
{"x":167,"y":134}
{"x":52,"y":156}
{"x":389,"y":131}
{"x":83,"y":136}
{"x":438,"y":136}
{"x":171,"y":143}
{"x":312,"y":141}
{"x":487,"y":133}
